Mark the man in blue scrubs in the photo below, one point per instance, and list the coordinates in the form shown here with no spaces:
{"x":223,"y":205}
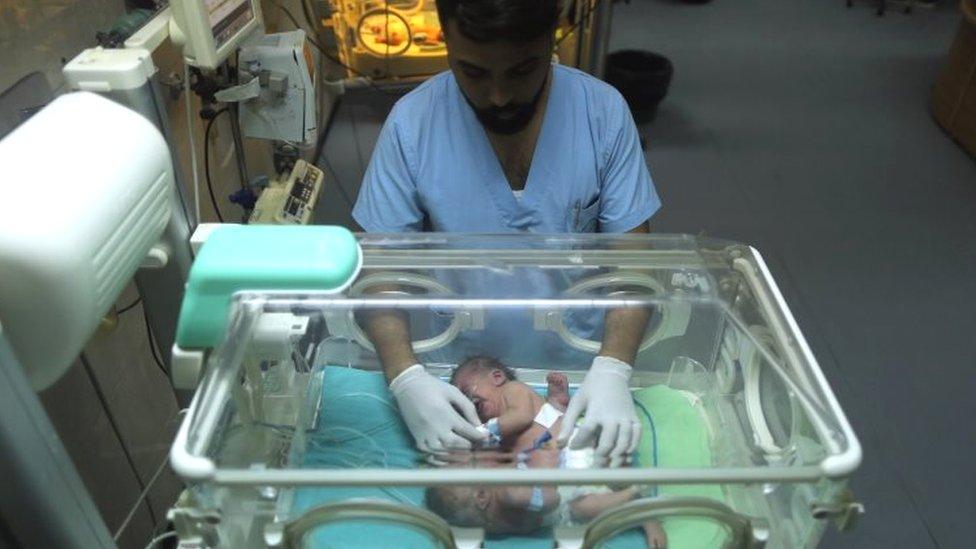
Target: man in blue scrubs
{"x":508,"y":142}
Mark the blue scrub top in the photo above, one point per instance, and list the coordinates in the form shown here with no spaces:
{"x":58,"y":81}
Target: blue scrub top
{"x":433,"y":168}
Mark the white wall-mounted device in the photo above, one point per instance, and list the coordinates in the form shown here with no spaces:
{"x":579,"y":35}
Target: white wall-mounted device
{"x":282,"y":103}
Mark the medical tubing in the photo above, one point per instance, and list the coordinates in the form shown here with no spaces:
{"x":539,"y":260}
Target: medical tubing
{"x":650,"y":421}
{"x":160,"y":538}
{"x":139,"y":500}
{"x":358,"y":435}
{"x":206,"y":161}
{"x":364,"y":394}
{"x":100,"y":394}
{"x":193,"y":146}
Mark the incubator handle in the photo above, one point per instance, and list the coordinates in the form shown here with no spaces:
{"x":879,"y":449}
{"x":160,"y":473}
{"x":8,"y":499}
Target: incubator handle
{"x":368,"y":509}
{"x":745,"y":532}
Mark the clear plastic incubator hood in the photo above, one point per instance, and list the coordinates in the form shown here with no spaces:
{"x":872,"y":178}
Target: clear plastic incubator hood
{"x":293,"y":438}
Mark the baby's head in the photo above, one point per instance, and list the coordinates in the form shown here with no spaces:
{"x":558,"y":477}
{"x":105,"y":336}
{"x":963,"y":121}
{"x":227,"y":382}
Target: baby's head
{"x":481,"y":379}
{"x":479,"y":507}
{"x":464,"y":506}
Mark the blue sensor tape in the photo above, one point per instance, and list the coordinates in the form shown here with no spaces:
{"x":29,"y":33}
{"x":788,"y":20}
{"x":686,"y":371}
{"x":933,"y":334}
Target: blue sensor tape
{"x":535,"y":502}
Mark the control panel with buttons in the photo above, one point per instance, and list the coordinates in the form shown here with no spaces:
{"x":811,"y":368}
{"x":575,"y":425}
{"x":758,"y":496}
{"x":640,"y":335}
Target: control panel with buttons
{"x":292,"y":200}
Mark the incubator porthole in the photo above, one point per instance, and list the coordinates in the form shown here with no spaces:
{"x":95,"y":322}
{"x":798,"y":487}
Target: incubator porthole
{"x":394,"y":29}
{"x":588,"y":324}
{"x":583,"y":329}
{"x":726,"y":371}
{"x":403,"y":283}
{"x":384,"y":32}
{"x":430,"y":327}
{"x":776,"y":402}
{"x":770,"y":405}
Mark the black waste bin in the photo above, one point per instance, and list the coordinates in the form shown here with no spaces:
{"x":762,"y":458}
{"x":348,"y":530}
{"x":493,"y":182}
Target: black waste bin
{"x":642,"y":77}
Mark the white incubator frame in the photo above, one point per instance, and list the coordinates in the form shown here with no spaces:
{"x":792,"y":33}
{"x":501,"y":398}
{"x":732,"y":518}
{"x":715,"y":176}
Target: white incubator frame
{"x":754,"y":336}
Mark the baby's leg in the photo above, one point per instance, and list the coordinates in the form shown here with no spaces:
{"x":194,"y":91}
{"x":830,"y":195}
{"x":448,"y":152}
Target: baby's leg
{"x":654,"y":533}
{"x":585,"y":508}
{"x":558,"y":390}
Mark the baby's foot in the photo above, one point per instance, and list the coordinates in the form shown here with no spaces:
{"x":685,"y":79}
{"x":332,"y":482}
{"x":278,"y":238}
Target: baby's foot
{"x":558,"y":391}
{"x":655,"y":536}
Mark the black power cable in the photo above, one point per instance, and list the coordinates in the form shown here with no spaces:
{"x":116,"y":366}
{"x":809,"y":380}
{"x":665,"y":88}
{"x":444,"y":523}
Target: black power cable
{"x":152,"y":345}
{"x":206,"y":161}
{"x":149,"y":336}
{"x":128,"y":307}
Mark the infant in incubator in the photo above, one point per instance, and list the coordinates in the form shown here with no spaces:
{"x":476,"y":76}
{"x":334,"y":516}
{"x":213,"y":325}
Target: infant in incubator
{"x":520,"y":421}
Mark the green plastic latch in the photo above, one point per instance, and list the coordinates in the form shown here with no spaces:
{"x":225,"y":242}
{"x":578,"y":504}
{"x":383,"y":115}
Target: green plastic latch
{"x":261,"y":257}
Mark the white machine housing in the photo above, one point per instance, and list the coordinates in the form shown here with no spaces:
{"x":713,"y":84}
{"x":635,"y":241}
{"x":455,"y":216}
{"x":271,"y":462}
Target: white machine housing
{"x":210,"y":30}
{"x":282,"y":103}
{"x":105,"y":70}
{"x":75,"y":228}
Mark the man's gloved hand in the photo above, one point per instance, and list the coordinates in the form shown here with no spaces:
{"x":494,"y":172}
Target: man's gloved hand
{"x":610,"y":420}
{"x":438,"y":415}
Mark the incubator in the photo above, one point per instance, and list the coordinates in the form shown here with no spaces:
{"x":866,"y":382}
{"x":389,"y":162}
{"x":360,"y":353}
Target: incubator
{"x":294,"y":440}
{"x":403,"y":39}
{"x":385,"y":39}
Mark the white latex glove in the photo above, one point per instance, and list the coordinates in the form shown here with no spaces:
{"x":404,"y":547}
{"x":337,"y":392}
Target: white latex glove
{"x":439,"y":416}
{"x":610,"y":421}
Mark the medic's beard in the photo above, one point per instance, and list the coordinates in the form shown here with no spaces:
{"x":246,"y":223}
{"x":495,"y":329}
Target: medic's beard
{"x":511,"y":118}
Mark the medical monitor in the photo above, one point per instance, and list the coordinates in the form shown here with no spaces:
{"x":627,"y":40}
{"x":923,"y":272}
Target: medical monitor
{"x":210,"y":30}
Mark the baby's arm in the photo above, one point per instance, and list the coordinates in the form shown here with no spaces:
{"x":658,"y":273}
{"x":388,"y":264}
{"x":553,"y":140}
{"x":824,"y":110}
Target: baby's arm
{"x":520,"y":410}
{"x":538,"y":499}
{"x":589,"y":506}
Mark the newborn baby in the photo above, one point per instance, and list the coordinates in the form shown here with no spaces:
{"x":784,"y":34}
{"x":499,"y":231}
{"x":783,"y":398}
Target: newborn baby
{"x":513,"y":414}
{"x":519,"y":420}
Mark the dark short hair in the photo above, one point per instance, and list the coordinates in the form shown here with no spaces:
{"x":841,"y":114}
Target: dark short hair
{"x":457,"y":513}
{"x":485,"y":364}
{"x":500,"y":20}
